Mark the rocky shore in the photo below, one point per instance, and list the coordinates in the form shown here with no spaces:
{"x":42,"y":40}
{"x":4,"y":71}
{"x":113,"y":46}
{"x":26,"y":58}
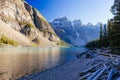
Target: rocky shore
{"x":89,"y":61}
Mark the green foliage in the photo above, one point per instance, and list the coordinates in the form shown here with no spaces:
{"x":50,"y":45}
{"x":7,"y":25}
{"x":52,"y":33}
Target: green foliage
{"x":22,"y":23}
{"x":6,"y":40}
{"x":109,"y":31}
{"x":115,"y":9}
{"x":26,"y":24}
{"x":34,"y":45}
{"x":29,"y":26}
{"x":110,"y":37}
{"x":114,"y":29}
{"x":94,"y":44}
{"x":101,"y":35}
{"x":102,"y":41}
{"x":105,"y":37}
{"x":27,"y":29}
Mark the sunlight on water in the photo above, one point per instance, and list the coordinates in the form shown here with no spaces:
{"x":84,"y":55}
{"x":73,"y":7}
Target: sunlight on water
{"x":17,"y":62}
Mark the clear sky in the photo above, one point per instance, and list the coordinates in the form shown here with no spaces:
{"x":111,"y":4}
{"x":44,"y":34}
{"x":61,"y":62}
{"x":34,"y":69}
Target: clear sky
{"x":86,"y":10}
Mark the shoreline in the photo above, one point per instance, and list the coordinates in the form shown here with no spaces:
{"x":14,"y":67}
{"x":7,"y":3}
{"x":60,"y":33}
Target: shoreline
{"x":68,"y":71}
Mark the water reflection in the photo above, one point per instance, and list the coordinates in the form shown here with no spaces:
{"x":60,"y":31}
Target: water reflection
{"x":17,"y":62}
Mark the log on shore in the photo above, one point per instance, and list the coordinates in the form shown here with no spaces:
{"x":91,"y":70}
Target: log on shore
{"x":85,"y":76}
{"x":87,"y":70}
{"x":100,"y":73}
{"x":94,"y":74}
{"x":112,"y":72}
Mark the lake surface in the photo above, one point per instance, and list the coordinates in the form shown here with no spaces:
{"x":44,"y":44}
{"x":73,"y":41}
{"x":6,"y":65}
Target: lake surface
{"x":18,"y":62}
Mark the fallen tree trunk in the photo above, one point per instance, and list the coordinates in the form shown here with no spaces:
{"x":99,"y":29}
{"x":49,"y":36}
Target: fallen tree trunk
{"x":94,"y":74}
{"x":112,"y":72}
{"x":85,"y":76}
{"x":100,"y":73}
{"x":82,"y":73}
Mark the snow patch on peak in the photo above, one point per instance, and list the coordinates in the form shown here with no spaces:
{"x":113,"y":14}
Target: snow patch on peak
{"x":76,"y":33}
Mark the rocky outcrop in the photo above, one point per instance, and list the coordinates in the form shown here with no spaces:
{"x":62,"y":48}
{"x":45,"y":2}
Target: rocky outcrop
{"x":22,"y":18}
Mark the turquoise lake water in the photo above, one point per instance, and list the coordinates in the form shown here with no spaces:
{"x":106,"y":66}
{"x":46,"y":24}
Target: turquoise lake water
{"x":18,"y":62}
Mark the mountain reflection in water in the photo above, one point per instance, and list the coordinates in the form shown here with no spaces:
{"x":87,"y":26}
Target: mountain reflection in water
{"x":17,"y":62}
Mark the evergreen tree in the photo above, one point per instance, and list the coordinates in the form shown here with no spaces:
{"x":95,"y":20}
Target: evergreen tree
{"x":109,"y":31}
{"x":115,"y":33}
{"x":105,"y":40}
{"x":101,"y":35}
{"x":105,"y":31}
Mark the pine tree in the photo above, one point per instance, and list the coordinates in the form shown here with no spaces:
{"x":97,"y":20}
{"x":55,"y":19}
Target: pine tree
{"x":109,"y":31}
{"x":105,"y":31}
{"x":115,"y":33}
{"x":101,"y":35}
{"x":105,"y":40}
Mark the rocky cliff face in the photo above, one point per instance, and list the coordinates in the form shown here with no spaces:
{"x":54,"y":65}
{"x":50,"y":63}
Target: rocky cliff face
{"x":25,"y":25}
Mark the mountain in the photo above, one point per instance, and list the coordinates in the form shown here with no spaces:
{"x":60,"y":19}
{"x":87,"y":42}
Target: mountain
{"x":75,"y":32}
{"x":23,"y":25}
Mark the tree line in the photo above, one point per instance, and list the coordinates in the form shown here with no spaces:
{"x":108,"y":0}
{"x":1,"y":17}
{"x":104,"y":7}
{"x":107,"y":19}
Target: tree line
{"x":110,"y":33}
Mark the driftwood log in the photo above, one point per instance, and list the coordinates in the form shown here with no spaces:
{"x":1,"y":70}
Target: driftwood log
{"x":100,"y":73}
{"x":94,"y":74}
{"x":87,"y":70}
{"x":112,"y":72}
{"x":104,"y":70}
{"x":85,"y":76}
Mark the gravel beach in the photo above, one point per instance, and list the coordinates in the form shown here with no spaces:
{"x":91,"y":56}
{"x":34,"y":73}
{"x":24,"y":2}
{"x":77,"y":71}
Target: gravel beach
{"x":68,"y":71}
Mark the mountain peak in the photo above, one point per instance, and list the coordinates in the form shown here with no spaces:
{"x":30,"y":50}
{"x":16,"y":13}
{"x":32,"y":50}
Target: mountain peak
{"x":64,"y":18}
{"x":89,"y":25}
{"x":75,"y":32}
{"x":77,"y":22}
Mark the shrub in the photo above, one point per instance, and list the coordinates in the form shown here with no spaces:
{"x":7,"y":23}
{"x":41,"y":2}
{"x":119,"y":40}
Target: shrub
{"x":26,"y":24}
{"x":27,"y":29}
{"x":34,"y":45}
{"x":29,"y":26}
{"x":6,"y":40}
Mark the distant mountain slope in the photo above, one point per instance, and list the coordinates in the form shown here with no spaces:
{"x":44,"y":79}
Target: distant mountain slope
{"x":75,"y":32}
{"x":22,"y":23}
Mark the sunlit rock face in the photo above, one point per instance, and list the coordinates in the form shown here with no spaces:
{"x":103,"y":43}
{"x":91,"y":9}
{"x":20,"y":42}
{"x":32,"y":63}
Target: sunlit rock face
{"x":75,"y":32}
{"x":17,"y":14}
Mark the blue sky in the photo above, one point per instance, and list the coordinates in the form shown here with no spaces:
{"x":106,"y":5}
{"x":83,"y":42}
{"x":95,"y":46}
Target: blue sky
{"x":86,"y":10}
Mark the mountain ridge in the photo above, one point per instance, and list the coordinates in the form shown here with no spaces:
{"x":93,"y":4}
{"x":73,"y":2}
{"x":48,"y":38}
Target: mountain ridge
{"x":75,"y":32}
{"x":23,"y":19}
